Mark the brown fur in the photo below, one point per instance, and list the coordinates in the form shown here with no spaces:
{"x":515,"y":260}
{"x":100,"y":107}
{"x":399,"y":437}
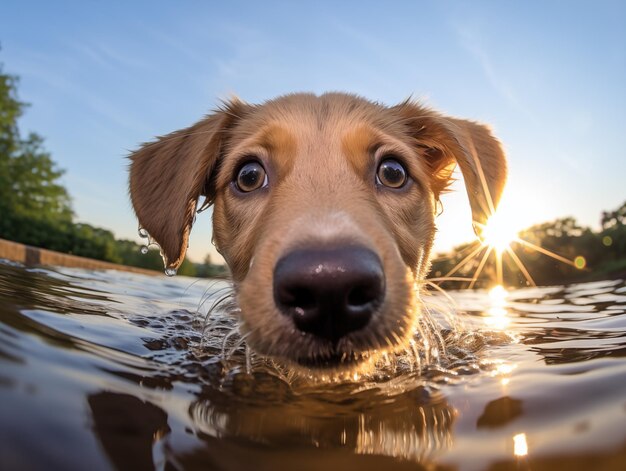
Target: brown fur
{"x":321,"y":155}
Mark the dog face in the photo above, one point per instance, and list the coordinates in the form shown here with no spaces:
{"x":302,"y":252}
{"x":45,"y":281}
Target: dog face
{"x":324,"y":210}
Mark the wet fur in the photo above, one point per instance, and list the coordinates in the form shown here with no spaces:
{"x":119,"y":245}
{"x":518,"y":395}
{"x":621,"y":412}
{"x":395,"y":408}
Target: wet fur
{"x":320,"y":154}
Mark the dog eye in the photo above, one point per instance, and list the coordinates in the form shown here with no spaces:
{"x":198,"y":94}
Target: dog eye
{"x":251,"y":176}
{"x":391,"y":173}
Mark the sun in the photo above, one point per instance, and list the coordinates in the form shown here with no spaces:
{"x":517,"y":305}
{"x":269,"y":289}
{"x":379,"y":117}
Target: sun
{"x":503,"y":225}
{"x":499,"y":232}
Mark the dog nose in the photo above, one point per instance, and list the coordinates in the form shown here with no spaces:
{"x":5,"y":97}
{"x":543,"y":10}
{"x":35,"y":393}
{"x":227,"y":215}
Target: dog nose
{"x":329,"y":292}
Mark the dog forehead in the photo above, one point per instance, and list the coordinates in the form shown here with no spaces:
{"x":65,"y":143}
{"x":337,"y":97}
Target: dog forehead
{"x":313,"y":129}
{"x":323,"y":107}
{"x":304,"y":113}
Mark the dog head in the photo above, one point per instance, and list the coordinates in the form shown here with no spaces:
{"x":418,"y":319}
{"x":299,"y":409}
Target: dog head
{"x":324,"y":210}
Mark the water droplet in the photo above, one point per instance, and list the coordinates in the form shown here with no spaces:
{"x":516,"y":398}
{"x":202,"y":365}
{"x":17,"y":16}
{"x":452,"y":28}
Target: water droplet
{"x":143,"y":233}
{"x":144,"y":249}
{"x":170,"y":271}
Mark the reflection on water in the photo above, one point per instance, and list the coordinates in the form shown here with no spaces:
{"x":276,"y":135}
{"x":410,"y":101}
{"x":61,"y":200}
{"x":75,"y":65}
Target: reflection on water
{"x":520,"y":445}
{"x":497,"y":315}
{"x":111,"y":370}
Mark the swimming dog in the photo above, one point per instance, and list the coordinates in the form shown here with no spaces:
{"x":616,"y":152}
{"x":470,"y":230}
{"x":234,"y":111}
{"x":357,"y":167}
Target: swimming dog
{"x":324,"y":209}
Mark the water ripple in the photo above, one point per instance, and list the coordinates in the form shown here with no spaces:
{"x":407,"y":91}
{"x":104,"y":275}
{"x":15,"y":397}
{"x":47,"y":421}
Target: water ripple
{"x":105,"y":367}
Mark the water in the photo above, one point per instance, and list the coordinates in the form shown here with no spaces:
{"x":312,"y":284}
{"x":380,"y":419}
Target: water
{"x":107,"y":370}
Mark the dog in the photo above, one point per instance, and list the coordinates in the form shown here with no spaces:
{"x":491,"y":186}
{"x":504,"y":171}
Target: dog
{"x":324,"y":210}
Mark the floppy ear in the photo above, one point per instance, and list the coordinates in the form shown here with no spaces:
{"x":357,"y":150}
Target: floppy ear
{"x":168,"y":176}
{"x":449,"y":141}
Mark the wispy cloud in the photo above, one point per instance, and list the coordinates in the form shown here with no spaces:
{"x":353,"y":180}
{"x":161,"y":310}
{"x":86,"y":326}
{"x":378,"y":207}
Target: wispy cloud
{"x":553,"y":148}
{"x":470,"y":41}
{"x":59,"y":72}
{"x":106,"y":56}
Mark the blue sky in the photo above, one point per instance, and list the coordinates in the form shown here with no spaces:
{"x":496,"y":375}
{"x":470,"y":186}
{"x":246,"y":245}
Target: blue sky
{"x":548,"y":76}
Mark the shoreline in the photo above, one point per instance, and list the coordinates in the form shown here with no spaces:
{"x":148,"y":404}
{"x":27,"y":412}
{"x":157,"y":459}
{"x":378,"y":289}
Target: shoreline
{"x":34,"y":256}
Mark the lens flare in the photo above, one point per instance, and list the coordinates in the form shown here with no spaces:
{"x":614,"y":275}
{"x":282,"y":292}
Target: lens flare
{"x":500,"y":237}
{"x":499,"y":232}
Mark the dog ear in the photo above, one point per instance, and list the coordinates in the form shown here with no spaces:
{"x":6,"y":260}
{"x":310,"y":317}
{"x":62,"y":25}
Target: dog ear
{"x":448,"y":141}
{"x":168,"y":176}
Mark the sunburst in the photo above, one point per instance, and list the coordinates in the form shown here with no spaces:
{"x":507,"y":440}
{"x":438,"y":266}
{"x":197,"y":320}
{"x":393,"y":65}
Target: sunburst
{"x":497,"y":240}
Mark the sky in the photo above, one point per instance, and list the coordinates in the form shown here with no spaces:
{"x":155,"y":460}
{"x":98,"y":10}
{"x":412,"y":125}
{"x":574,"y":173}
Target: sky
{"x":549,"y":77}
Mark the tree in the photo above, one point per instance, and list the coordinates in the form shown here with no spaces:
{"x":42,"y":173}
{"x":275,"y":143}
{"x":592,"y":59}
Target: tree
{"x":29,"y":178}
{"x":207,"y":269}
{"x":10,"y":110}
{"x":35,"y":208}
{"x":614,"y":218}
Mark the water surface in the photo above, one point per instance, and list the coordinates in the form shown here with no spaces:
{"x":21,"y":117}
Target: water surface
{"x":109,"y":370}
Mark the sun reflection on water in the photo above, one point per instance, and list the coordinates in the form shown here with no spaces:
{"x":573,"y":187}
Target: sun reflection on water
{"x":497,"y":315}
{"x":498,"y":295}
{"x":503,"y":371}
{"x":520,"y":446}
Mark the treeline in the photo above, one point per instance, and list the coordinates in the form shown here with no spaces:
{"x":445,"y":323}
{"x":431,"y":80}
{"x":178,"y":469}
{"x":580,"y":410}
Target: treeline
{"x":591,"y":254}
{"x":93,"y":242}
{"x":35,"y":208}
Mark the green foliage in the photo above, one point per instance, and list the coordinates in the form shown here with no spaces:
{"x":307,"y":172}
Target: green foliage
{"x":29,"y":179}
{"x":32,"y":188}
{"x":10,"y":110}
{"x":130,"y":254}
{"x":209,"y":270}
{"x":35,"y":208}
{"x":604,"y":254}
{"x":611,"y":219}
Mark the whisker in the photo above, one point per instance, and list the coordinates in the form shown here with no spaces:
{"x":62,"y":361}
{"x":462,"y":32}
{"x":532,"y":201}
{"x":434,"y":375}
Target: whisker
{"x":180,"y":299}
{"x":237,"y":345}
{"x":444,"y":293}
{"x":449,"y":311}
{"x":435,"y":331}
{"x":207,"y":328}
{"x":204,"y":296}
{"x":227,"y":337}
{"x":213,"y":294}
